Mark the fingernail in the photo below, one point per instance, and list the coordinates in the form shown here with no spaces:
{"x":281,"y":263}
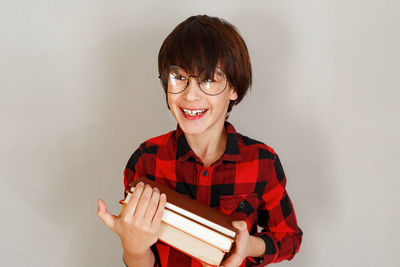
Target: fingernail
{"x":156,"y":189}
{"x":163,"y":196}
{"x":140,"y":184}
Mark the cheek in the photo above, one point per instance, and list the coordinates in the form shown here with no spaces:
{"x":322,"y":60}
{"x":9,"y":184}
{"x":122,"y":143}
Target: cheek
{"x":225,"y":102}
{"x":170,"y":100}
{"x":172,"y":103}
{"x":221,"y":105}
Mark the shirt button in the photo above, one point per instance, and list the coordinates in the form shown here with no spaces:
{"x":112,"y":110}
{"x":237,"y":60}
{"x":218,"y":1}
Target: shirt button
{"x":196,"y":160}
{"x":241,"y":205}
{"x":205,"y":173}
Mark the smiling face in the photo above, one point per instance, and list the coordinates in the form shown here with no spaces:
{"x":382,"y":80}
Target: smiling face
{"x":198,"y":113}
{"x":201,"y":43}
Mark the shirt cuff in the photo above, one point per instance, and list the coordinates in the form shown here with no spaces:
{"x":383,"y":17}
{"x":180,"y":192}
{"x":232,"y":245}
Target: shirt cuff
{"x":156,"y":256}
{"x":270,"y":253}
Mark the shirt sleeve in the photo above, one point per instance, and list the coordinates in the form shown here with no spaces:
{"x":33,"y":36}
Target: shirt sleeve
{"x":277,"y":218}
{"x":134,"y":169}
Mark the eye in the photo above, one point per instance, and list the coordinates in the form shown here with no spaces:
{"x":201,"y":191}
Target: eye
{"x":177,"y":77}
{"x":207,"y":79}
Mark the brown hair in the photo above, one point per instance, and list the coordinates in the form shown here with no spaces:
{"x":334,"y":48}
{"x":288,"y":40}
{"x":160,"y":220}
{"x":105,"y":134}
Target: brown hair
{"x":200,"y":43}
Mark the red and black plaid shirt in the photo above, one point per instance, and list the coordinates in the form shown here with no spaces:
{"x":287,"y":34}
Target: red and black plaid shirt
{"x":247,"y":182}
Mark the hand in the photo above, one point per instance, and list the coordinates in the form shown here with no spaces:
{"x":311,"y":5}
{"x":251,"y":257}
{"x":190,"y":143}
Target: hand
{"x":140,"y":221}
{"x":241,"y":246}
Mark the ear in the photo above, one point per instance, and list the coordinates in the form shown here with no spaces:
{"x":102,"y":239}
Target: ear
{"x":233,"y":95}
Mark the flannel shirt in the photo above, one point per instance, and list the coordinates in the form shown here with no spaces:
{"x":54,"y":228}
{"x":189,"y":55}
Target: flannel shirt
{"x":247,"y":182}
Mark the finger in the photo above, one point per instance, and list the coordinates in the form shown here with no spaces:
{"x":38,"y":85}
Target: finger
{"x":152,"y":206}
{"x":143,"y":202}
{"x":133,"y":202}
{"x":155,"y":224}
{"x":105,"y":215}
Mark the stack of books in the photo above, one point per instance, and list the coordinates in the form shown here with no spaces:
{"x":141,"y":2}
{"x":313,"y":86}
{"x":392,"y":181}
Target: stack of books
{"x":192,"y":227}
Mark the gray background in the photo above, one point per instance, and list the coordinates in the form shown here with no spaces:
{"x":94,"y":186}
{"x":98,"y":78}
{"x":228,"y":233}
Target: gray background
{"x":79,"y":93}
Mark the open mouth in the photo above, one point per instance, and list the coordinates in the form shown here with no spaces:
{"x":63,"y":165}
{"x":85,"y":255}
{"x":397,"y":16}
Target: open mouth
{"x":193,"y":113}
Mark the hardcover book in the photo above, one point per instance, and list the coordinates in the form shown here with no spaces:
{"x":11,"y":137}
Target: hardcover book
{"x":191,"y":226}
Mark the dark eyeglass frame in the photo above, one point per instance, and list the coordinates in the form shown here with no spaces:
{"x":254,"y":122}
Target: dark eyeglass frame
{"x":198,"y":82}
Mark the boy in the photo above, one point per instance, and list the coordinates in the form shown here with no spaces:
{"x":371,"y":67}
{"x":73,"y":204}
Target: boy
{"x":205,"y":70}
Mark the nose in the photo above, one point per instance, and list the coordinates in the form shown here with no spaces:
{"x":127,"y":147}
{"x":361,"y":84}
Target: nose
{"x":193,"y":90}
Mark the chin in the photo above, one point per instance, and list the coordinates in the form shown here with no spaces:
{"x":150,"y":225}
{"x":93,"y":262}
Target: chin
{"x":192,"y":128}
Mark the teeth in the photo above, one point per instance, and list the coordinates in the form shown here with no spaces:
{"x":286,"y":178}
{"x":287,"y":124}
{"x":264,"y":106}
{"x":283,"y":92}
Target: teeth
{"x":193,"y":112}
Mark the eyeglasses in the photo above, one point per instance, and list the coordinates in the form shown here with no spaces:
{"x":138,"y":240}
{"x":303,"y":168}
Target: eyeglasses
{"x":175,"y":80}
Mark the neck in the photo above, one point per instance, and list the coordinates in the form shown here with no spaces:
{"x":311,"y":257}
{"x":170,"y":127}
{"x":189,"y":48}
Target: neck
{"x":209,"y":147}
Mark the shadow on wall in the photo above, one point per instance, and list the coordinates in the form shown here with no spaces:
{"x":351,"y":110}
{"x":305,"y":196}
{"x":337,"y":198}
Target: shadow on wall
{"x":277,"y":119}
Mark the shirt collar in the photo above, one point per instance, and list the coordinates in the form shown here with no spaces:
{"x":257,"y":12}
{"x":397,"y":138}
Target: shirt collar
{"x":232,"y":151}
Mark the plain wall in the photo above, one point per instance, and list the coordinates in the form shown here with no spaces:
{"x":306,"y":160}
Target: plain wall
{"x":79,"y":92}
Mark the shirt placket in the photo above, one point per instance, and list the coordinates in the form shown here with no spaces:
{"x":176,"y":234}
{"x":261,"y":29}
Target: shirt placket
{"x":204,"y":178}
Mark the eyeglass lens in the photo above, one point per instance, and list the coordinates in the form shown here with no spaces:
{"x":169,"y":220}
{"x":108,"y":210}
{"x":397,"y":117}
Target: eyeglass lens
{"x":176,"y":79}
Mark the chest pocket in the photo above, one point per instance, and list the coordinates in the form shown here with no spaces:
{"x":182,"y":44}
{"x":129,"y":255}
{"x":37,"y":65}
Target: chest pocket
{"x":240,"y":207}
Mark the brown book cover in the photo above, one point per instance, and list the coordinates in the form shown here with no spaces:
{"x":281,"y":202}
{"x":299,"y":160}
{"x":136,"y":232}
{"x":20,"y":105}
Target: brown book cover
{"x":191,"y":205}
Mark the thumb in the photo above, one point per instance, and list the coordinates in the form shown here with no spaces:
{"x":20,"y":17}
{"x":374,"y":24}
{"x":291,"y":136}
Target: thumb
{"x":105,"y":215}
{"x":240,"y":225}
